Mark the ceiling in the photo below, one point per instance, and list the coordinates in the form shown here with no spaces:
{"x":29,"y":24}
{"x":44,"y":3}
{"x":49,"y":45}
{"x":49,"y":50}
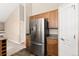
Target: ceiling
{"x":38,"y":8}
{"x":5,"y":10}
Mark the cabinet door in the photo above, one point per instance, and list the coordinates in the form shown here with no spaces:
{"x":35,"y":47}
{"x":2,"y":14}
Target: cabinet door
{"x":67,"y":31}
{"x":37,"y":16}
{"x":53,"y":19}
{"x":32,"y":17}
{"x":43,"y":15}
{"x":28,"y":42}
{"x":52,"y":47}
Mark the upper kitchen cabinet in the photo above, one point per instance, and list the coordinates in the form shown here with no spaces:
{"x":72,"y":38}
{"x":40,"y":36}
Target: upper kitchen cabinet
{"x":53,"y":19}
{"x":38,"y":16}
{"x":32,"y":17}
{"x":43,"y":15}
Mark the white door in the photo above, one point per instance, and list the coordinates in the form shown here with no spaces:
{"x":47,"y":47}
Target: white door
{"x":67,"y":31}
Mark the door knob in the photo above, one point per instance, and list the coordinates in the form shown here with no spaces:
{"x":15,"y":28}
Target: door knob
{"x":74,"y":36}
{"x":62,"y":39}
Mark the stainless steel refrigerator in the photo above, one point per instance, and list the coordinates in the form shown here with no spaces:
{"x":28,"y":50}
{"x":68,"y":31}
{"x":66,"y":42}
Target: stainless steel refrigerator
{"x":39,"y":31}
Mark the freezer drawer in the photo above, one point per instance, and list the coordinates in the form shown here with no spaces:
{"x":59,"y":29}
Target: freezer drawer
{"x":37,"y":49}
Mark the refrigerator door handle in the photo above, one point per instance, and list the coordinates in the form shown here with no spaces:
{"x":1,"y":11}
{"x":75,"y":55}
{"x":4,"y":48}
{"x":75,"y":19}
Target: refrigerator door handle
{"x":37,"y":43}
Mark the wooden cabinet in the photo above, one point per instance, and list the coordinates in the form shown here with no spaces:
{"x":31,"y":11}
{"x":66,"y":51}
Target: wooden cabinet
{"x":32,"y":17}
{"x":38,"y":16}
{"x":45,"y":15}
{"x":52,"y":17}
{"x":3,"y":47}
{"x":28,"y":41}
{"x":52,"y":47}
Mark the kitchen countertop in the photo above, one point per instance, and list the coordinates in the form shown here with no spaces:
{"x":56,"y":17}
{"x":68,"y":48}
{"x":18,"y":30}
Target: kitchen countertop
{"x":2,"y":38}
{"x":28,"y":36}
{"x":53,"y":36}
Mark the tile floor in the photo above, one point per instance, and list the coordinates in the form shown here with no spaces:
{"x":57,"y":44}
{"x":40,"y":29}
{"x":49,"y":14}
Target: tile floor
{"x":23,"y":52}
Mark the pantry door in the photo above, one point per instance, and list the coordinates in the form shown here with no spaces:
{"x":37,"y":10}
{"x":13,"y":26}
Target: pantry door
{"x":68,"y":31}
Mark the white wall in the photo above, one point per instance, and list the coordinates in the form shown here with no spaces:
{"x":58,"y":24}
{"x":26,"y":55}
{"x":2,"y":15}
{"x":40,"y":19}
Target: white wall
{"x":12,"y":26}
{"x":15,"y":25}
{"x":78,"y":30}
{"x":28,"y":13}
{"x":22,"y":24}
{"x":6,"y":9}
{"x":53,"y":31}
